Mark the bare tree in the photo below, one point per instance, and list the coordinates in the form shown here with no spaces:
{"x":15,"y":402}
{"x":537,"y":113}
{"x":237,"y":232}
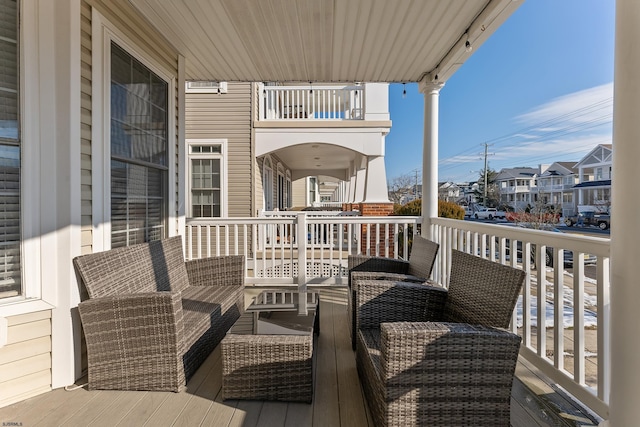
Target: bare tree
{"x":401,"y":186}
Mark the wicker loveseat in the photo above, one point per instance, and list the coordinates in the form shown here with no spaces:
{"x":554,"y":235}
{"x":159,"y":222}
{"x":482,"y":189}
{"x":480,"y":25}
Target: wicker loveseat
{"x":151,"y":318}
{"x":440,"y":357}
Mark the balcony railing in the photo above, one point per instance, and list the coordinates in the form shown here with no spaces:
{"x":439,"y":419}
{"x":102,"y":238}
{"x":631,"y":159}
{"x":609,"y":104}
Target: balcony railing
{"x":312,"y":102}
{"x":569,"y":344}
{"x":274,"y":247}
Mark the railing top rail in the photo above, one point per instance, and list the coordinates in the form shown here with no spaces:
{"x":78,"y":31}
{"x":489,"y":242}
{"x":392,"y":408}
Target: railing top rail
{"x":310,"y":220}
{"x":594,"y":245}
{"x":365,"y":220}
{"x":315,"y":87}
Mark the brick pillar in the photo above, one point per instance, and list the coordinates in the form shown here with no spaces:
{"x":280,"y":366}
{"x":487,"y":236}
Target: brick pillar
{"x":376,"y":209}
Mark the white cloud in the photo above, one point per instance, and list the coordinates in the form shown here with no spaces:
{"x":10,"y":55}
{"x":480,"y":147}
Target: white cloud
{"x":563,"y":129}
{"x":578,"y":107}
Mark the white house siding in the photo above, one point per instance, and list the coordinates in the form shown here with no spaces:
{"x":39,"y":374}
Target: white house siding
{"x":299,"y":190}
{"x":227,"y":116}
{"x":25,"y":361}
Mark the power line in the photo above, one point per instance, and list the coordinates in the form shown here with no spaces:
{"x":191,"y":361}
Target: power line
{"x":580,"y":112}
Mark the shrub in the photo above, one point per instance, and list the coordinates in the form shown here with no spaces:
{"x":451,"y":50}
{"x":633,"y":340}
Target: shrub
{"x":445,"y":209}
{"x":413,"y":208}
{"x":450,"y":210}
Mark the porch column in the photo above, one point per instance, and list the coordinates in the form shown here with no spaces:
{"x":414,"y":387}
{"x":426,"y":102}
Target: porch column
{"x":376,"y":182}
{"x":351,"y":197}
{"x":361,"y":179}
{"x":625,"y":232}
{"x":431,"y":91}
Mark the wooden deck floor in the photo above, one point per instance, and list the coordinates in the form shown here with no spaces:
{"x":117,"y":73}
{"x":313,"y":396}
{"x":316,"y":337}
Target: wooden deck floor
{"x":338,"y":399}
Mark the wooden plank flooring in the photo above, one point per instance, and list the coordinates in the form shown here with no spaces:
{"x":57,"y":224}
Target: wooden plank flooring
{"x":338,"y":399}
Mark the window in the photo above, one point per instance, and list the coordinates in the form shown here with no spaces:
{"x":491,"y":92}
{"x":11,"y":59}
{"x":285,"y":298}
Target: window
{"x":312,"y":190}
{"x":288,"y":187}
{"x":267,"y":184}
{"x":10,"y":141}
{"x":282,"y":188}
{"x":206,"y":87}
{"x":207,"y":178}
{"x":139,"y":143}
{"x":598,"y":174}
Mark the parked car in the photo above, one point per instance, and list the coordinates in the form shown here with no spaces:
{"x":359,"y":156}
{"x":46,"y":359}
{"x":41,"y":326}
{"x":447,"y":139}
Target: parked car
{"x":600,"y":220}
{"x":468,"y":212}
{"x":490,"y":213}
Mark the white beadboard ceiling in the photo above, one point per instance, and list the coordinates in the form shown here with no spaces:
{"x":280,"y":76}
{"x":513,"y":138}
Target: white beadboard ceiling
{"x":324,"y":40}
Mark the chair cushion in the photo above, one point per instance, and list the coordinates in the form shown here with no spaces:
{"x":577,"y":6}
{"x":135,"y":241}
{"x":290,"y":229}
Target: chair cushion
{"x":202,"y":308}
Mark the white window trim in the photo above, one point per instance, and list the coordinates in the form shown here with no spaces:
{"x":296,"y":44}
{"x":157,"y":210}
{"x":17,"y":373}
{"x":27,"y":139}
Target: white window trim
{"x":224,"y":194}
{"x":34,"y":296}
{"x":216,"y":87}
{"x":103,"y":33}
{"x":289,"y":189}
{"x":267,"y":188}
{"x":281,"y":193}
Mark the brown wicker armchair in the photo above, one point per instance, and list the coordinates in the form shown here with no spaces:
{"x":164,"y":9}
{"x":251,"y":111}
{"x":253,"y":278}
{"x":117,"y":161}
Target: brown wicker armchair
{"x":446,"y":359}
{"x":362,"y":267}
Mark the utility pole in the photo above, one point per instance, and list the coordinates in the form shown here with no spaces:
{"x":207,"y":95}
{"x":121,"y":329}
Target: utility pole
{"x":416,"y":186}
{"x":486,"y":171}
{"x":486,"y":153}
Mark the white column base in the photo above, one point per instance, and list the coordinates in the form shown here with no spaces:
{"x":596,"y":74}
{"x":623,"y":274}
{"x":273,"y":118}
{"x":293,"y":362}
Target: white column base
{"x":376,"y":181}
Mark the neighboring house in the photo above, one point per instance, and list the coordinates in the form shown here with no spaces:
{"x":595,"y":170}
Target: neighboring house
{"x":411,"y":193}
{"x":448,"y":191}
{"x":328,"y":140}
{"x":515,"y":186}
{"x":311,"y":145}
{"x":554,"y":186}
{"x":469,"y":191}
{"x":593,"y":191}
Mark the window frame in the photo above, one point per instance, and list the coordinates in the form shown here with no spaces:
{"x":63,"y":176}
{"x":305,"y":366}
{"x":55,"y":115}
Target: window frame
{"x":224,"y":193}
{"x":267,"y":184}
{"x":103,"y":34}
{"x":220,"y":88}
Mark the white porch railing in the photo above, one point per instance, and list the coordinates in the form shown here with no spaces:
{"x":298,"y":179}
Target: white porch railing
{"x":274,"y":247}
{"x":574,"y":348}
{"x":572,"y":310}
{"x":312,"y":102}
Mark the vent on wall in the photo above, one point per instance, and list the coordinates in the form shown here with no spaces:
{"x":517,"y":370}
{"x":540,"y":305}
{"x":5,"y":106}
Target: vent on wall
{"x":206,"y":87}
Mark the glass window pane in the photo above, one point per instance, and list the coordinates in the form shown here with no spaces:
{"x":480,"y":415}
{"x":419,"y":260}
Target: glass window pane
{"x":139,"y":103}
{"x":9,"y":69}
{"x":10,"y":277}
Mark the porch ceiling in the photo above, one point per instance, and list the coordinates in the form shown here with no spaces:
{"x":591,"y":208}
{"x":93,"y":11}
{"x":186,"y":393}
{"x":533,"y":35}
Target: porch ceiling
{"x":324,"y":40}
{"x":317,"y":159}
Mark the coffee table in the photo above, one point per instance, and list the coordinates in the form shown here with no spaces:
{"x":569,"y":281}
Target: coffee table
{"x":268,"y":353}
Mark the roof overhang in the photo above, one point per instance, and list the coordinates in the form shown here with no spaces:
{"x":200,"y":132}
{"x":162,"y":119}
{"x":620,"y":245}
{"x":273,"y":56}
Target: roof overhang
{"x":325,"y":40}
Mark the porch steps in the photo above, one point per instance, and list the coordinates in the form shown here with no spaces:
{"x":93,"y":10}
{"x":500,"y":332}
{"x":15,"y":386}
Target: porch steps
{"x":535,"y":397}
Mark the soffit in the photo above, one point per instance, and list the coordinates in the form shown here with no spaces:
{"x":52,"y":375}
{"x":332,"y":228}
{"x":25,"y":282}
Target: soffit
{"x":316,"y":157}
{"x":324,"y":40}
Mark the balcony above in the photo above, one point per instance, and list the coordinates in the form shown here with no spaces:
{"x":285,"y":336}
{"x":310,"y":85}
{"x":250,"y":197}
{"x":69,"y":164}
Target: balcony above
{"x":323,"y":105}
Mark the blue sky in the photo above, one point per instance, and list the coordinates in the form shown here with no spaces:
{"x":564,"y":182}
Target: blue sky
{"x":539,"y":90}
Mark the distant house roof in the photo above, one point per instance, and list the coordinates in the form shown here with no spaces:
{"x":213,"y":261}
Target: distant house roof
{"x":560,"y":169}
{"x":592,"y":184}
{"x":524,"y":172}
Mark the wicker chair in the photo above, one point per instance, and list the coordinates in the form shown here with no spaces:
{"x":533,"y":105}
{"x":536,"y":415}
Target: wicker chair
{"x":446,"y":359}
{"x":363,"y":267}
